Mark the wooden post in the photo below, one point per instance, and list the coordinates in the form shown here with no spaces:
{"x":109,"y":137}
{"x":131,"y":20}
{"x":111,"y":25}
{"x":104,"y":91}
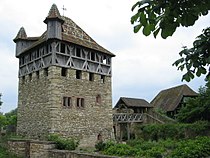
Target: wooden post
{"x":128,"y":131}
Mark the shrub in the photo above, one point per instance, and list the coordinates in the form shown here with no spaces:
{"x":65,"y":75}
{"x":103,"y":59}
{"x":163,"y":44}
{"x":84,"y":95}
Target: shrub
{"x":63,"y":143}
{"x":193,"y":148}
{"x":172,"y":131}
{"x":200,"y":147}
{"x":100,"y":146}
{"x":120,"y":150}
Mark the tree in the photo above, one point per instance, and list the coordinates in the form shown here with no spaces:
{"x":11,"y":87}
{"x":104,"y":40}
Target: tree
{"x":165,"y":16}
{"x":0,"y":100}
{"x":197,"y":108}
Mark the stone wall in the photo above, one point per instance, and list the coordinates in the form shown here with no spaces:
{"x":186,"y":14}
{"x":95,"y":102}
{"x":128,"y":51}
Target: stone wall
{"x":33,"y":117}
{"x":88,"y":122}
{"x":73,"y":154}
{"x":41,"y":110}
{"x":44,"y":149}
{"x":30,"y":148}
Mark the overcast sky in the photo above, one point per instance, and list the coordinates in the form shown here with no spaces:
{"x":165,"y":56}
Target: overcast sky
{"x":142,"y":66}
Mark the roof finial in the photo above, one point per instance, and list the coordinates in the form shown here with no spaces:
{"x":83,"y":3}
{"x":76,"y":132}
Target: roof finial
{"x":64,"y":9}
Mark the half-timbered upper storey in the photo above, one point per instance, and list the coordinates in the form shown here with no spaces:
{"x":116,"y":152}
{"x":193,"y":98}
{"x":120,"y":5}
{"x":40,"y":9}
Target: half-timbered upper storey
{"x":64,"y":44}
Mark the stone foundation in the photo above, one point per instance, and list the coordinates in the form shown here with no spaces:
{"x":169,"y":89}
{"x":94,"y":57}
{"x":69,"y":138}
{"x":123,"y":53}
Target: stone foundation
{"x":45,"y":149}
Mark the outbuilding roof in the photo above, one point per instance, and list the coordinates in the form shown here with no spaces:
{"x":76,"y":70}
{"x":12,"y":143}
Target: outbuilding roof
{"x":169,"y":99}
{"x":132,"y":102}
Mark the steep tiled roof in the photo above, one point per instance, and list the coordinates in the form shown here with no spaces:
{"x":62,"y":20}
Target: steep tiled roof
{"x":133,"y":102}
{"x":53,"y":14}
{"x":74,"y":34}
{"x":71,"y":33}
{"x":169,"y":99}
{"x":21,"y":34}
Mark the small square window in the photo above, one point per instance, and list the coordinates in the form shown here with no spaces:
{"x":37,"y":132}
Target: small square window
{"x":30,"y":77}
{"x":78,"y":52}
{"x":98,"y":99}
{"x":78,"y":74}
{"x":91,"y":76}
{"x":80,"y":103}
{"x":67,"y":101}
{"x":103,"y":78}
{"x":46,"y":72}
{"x":23,"y":79}
{"x":64,"y":71}
{"x":37,"y":74}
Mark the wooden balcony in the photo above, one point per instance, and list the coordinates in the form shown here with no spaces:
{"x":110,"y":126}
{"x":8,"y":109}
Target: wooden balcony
{"x":126,"y":117}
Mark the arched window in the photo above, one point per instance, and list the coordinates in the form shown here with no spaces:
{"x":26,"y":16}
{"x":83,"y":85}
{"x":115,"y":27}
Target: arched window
{"x":98,"y":99}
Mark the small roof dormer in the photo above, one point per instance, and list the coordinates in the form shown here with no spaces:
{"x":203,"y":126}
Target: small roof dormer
{"x":21,"y":35}
{"x":54,"y":23}
{"x":54,"y":14}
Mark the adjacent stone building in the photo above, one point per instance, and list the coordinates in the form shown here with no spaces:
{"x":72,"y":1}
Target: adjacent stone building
{"x":64,"y":83}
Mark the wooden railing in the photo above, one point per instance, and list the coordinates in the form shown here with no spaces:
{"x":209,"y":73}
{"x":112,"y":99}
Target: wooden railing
{"x":125,"y":117}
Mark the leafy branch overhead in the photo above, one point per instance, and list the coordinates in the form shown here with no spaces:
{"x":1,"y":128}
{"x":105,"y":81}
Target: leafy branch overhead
{"x":195,"y":60}
{"x":166,"y":15}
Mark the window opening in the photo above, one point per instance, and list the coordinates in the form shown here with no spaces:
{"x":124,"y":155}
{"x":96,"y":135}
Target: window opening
{"x":46,"y":72}
{"x":92,"y":57}
{"x":104,"y":60}
{"x":78,"y":74}
{"x":91,"y":76}
{"x":37,"y":74}
{"x":23,"y":79}
{"x":103,"y":78}
{"x":99,"y":137}
{"x":109,"y":61}
{"x":30,"y":77}
{"x":98,"y":99}
{"x":67,"y":101}
{"x":63,"y":71}
{"x":80,"y":103}
{"x":78,"y":52}
{"x":62,"y":48}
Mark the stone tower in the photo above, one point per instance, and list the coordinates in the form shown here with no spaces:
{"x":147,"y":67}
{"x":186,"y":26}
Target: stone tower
{"x":64,"y":83}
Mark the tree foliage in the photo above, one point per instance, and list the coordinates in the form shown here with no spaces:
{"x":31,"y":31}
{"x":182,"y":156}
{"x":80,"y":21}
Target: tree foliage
{"x":164,"y":16}
{"x":196,"y":59}
{"x":0,"y":100}
{"x":9,"y":119}
{"x":197,"y":108}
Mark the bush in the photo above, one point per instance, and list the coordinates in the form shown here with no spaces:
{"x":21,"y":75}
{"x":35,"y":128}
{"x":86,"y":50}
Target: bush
{"x":63,"y":143}
{"x":120,"y":150}
{"x":200,"y":147}
{"x":193,"y":148}
{"x":156,"y":132}
{"x":101,"y":146}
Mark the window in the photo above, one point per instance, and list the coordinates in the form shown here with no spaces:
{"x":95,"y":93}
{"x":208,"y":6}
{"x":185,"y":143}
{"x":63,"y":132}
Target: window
{"x":23,"y":79}
{"x":91,"y":76}
{"x":62,"y":48}
{"x":37,"y":74}
{"x":46,"y":72}
{"x":30,"y":77}
{"x":67,"y":101}
{"x":63,"y":71}
{"x":78,"y":52}
{"x":78,"y":74}
{"x":104,"y":60}
{"x":103,"y":78}
{"x":80,"y":103}
{"x":92,"y":57}
{"x":98,"y":99}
